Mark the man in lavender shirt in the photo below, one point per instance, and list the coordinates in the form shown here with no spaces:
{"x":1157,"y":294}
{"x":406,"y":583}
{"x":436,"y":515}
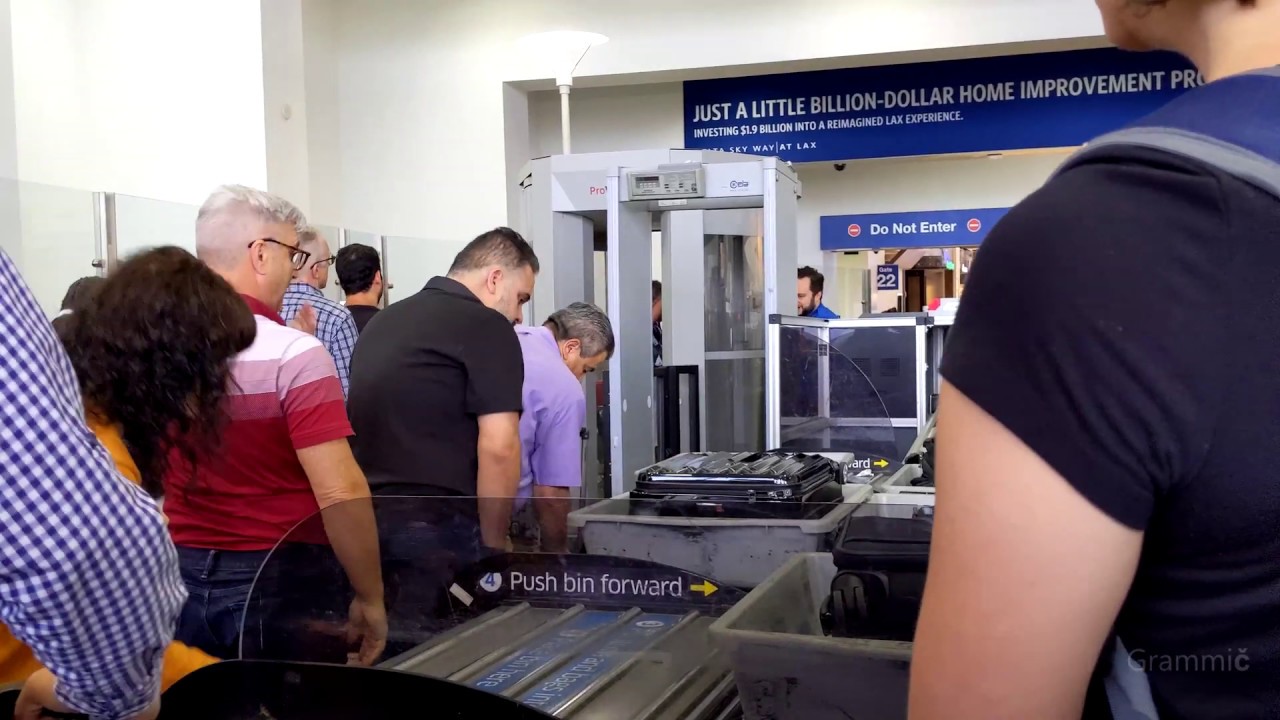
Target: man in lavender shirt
{"x":571,"y":343}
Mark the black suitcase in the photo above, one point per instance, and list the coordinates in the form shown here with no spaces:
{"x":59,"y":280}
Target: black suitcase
{"x":739,"y":485}
{"x":881,"y":564}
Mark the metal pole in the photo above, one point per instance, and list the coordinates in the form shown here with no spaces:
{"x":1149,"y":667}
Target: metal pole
{"x":773,"y":384}
{"x":564,"y":119}
{"x":104,"y":232}
{"x":388,"y":286}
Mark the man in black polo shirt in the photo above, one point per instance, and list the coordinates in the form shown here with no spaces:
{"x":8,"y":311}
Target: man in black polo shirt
{"x":1109,"y":434}
{"x":436,"y":384}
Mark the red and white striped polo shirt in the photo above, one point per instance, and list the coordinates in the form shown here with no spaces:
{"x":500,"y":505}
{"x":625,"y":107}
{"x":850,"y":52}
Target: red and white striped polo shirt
{"x":285,"y":396}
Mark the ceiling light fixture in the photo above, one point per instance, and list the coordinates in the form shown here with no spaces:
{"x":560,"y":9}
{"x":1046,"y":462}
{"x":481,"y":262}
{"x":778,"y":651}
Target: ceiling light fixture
{"x":560,"y":51}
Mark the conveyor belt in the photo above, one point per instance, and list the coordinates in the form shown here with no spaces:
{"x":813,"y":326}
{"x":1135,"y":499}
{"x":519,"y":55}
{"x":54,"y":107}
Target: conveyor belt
{"x":585,"y":664}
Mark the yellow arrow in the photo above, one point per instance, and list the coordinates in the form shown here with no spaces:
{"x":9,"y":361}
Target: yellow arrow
{"x":882,"y":463}
{"x":705,"y":587}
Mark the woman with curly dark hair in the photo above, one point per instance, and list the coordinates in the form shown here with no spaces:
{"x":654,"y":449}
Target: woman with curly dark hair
{"x":152,"y":353}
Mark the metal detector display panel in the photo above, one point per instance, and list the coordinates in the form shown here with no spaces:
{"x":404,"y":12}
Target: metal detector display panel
{"x":659,"y":184}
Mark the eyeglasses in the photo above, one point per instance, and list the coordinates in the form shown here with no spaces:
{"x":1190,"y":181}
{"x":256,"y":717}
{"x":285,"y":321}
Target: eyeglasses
{"x":327,"y":261}
{"x":297,"y":256}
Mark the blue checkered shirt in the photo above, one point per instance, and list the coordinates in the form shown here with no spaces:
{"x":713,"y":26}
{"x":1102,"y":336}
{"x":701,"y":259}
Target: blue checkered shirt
{"x":88,"y":576}
{"x":335,"y":328}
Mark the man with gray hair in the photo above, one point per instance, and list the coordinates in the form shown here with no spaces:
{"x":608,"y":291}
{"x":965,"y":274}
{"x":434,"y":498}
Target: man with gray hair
{"x":570,"y":344}
{"x":284,"y":456}
{"x":335,"y":327}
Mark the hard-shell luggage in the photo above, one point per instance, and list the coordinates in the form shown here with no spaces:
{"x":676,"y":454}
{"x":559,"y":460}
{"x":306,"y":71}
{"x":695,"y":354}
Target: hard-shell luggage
{"x":739,"y":484}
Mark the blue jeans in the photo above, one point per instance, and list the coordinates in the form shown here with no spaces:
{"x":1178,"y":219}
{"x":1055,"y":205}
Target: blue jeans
{"x":218,"y":584}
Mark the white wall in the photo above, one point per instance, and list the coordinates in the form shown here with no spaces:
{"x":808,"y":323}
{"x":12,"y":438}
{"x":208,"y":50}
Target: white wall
{"x":430,"y":140}
{"x":323,"y":114}
{"x":631,"y":117}
{"x":676,"y":35}
{"x":154,"y":98}
{"x":285,"y":101}
{"x":159,"y":98}
{"x":52,"y":123}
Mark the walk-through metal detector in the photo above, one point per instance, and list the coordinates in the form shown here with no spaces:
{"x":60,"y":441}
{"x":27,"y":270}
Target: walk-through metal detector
{"x":726,"y":225}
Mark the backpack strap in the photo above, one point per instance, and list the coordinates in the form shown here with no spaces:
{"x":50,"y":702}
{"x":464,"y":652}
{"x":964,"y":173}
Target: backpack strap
{"x":1232,"y":125}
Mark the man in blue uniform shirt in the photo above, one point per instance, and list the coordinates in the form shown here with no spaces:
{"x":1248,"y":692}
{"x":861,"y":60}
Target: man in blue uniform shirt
{"x":809,"y":295}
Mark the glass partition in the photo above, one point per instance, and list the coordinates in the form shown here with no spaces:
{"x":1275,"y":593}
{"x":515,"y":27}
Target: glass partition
{"x":829,"y":403}
{"x":56,"y":243}
{"x":410,"y":262}
{"x":886,"y":355}
{"x":733,"y":306}
{"x":143,"y":223}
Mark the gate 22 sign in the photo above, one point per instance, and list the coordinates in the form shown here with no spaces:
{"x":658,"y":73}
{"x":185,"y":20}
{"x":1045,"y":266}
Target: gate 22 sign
{"x":887,"y":277}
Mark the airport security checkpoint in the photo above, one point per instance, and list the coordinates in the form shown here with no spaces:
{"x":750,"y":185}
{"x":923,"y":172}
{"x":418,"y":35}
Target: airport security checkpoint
{"x":752,"y":533}
{"x":661,"y":441}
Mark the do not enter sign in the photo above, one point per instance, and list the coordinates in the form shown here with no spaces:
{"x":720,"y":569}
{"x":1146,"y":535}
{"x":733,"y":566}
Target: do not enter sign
{"x":915,"y":229}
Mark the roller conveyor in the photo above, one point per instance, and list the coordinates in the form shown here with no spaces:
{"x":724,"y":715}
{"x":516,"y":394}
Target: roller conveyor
{"x":585,"y":664}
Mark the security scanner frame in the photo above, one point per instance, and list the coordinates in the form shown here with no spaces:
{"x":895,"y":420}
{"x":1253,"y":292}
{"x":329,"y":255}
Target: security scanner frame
{"x":899,"y":355}
{"x":726,"y":247}
{"x":638,"y":194}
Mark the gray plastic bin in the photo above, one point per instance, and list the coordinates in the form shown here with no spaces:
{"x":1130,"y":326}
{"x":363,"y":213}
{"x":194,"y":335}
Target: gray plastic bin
{"x":786,"y":669}
{"x":735,"y":551}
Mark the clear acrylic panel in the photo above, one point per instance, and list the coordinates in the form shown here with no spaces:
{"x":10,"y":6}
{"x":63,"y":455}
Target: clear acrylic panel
{"x":884,"y":355}
{"x":410,"y":262}
{"x":143,"y":223}
{"x":55,"y":243}
{"x":618,"y":626}
{"x":590,"y":634}
{"x":828,"y":403}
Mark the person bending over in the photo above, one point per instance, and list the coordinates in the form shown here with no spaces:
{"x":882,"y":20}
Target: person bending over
{"x":571,"y":343}
{"x":284,"y":453}
{"x":88,"y":577}
{"x":151,"y":355}
{"x":1106,"y":463}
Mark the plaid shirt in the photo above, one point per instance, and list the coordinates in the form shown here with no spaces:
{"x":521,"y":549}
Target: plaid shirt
{"x":335,"y":328}
{"x":88,"y":576}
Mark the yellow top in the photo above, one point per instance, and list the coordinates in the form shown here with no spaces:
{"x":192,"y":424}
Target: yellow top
{"x":16,"y":660}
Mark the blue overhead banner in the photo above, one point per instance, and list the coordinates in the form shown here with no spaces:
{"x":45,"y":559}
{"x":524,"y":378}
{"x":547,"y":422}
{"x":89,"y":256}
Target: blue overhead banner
{"x":1013,"y":102}
{"x":929,"y":229}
